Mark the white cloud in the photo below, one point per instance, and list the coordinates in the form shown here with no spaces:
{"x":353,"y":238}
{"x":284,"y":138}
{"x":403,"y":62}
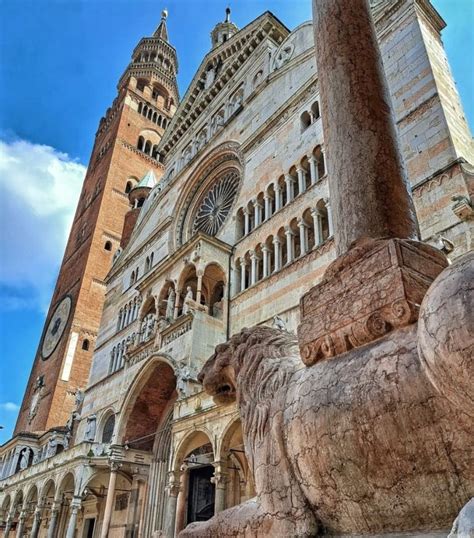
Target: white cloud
{"x":9,"y":406}
{"x":39,"y":189}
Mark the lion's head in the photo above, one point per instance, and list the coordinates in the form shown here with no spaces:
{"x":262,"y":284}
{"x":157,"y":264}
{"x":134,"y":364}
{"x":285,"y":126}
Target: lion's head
{"x":220,"y":374}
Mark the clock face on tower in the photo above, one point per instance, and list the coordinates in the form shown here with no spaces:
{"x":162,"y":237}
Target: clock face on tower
{"x":57,"y":324}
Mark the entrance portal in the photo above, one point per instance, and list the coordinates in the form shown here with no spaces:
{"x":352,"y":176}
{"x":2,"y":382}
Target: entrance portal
{"x":201,"y":494}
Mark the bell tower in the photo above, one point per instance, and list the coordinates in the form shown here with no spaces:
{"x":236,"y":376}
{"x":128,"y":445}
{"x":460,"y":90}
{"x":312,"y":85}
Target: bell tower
{"x":125,"y":149}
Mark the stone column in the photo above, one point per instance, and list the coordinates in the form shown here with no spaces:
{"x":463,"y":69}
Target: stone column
{"x":253,"y":267}
{"x":181,"y":499}
{"x":290,"y":193}
{"x":173,"y":490}
{"x":258,"y":213}
{"x":329,"y":210}
{"x":199,"y":288}
{"x":318,"y":236}
{"x":268,"y":208}
{"x":290,"y":245}
{"x":71,"y":528}
{"x":277,"y":196}
{"x":246,"y":221}
{"x":219,"y":480}
{"x":21,"y":524}
{"x":303,"y":237}
{"x":301,"y":179}
{"x":176,"y":303}
{"x":266,"y":260}
{"x":8,"y":526}
{"x":277,"y":253}
{"x":234,"y":280}
{"x":109,"y":502}
{"x":36,"y":522}
{"x":359,"y":129}
{"x":313,"y":169}
{"x":243,"y":265}
{"x":53,"y":522}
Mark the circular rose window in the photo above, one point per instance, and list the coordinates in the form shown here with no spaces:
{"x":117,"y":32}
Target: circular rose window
{"x":216,"y":204}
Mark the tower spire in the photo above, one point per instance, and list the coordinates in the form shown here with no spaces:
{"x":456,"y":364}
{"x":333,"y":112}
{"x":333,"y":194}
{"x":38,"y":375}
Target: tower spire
{"x":162,"y":32}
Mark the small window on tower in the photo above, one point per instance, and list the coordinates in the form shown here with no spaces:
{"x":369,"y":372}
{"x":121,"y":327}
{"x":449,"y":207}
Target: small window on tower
{"x":128,"y":187}
{"x":85,"y":345}
{"x":108,"y":245}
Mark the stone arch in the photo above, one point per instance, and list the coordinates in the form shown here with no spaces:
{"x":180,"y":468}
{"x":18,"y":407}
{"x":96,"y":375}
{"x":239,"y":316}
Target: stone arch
{"x":214,"y":289}
{"x":305,"y":120}
{"x":48,"y":489}
{"x":148,"y":396}
{"x":192,"y":440}
{"x":66,"y":484}
{"x":148,"y":306}
{"x":187,"y":278}
{"x":163,"y":297}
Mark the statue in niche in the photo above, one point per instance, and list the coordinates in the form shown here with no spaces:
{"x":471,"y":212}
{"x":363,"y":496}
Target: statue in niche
{"x":24,"y":458}
{"x":150,"y":325}
{"x":187,"y":299}
{"x":315,"y":433}
{"x":184,"y":375}
{"x":170,"y":303}
{"x":38,"y":391}
{"x":89,"y":434}
{"x":196,"y":253}
{"x":52,"y":447}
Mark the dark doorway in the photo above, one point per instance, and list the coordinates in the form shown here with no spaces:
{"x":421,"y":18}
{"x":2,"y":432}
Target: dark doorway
{"x":201,"y":494}
{"x":89,"y":528}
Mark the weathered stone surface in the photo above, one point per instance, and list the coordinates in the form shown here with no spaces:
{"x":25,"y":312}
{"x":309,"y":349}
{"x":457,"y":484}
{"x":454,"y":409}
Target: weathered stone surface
{"x":365,"y":442}
{"x":377,"y":292}
{"x":368,"y":181}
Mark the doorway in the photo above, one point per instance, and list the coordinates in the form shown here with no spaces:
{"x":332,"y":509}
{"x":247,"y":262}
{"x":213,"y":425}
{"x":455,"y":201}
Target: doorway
{"x":201,"y":494}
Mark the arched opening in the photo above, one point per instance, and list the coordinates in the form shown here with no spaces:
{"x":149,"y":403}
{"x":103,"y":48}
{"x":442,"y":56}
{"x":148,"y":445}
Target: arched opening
{"x":108,"y":429}
{"x":240,"y":485}
{"x":294,"y":176}
{"x":149,"y":399}
{"x":308,"y":221}
{"x":140,"y":106}
{"x":270,"y":253}
{"x":166,"y":301}
{"x":47,"y":497}
{"x":213,"y":290}
{"x":320,"y":164}
{"x":147,"y":148}
{"x":188,"y":287}
{"x":323,"y":221}
{"x":240,"y":223}
{"x":305,"y":120}
{"x":283,"y":247}
{"x":148,"y":320}
{"x":85,"y":344}
{"x":283,"y":193}
{"x":306,"y":172}
{"x":16,"y":508}
{"x":315,"y":110}
{"x":195,"y":459}
{"x":295,"y":238}
{"x":141,"y":143}
{"x":128,"y":187}
{"x":108,"y":245}
{"x":5,"y":510}
{"x":65,"y":492}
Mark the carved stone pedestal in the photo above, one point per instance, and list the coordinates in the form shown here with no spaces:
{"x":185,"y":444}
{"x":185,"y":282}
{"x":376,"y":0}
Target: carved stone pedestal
{"x":375,"y":289}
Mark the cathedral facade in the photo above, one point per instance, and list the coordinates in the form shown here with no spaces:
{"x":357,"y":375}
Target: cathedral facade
{"x":213,"y":213}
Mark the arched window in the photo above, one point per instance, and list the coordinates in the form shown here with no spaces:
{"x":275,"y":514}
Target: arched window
{"x":140,"y":105}
{"x":85,"y":344}
{"x":147,"y":149}
{"x":132,"y":278}
{"x":128,"y":187}
{"x":141,"y":143}
{"x":315,"y":110}
{"x":305,"y":120}
{"x":108,"y":245}
{"x":108,"y":431}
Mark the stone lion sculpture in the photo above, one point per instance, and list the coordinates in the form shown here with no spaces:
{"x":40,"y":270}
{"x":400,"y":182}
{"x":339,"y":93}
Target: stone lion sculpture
{"x":378,"y":439}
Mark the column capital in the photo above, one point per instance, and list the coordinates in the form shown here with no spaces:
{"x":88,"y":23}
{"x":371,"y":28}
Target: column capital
{"x":246,"y":211}
{"x":276,"y":186}
{"x":243,"y":262}
{"x":299,"y":168}
{"x":276,"y":240}
{"x":76,"y":502}
{"x":301,"y":223}
{"x":266,"y":196}
{"x":254,"y":255}
{"x":289,"y":178}
{"x":265,"y":247}
{"x":289,"y":231}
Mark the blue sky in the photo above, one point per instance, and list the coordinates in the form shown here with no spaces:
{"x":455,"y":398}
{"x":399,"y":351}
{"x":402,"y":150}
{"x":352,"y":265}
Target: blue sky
{"x":61,"y":60}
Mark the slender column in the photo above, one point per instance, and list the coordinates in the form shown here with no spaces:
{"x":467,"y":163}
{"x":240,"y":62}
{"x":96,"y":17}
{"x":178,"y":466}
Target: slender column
{"x":258,"y":213}
{"x":313,"y":169}
{"x":277,"y":253}
{"x":277,"y":196}
{"x":301,"y":180}
{"x":53,"y":522}
{"x":36,"y":522}
{"x":114,"y":467}
{"x":329,"y":210}
{"x":181,"y":499}
{"x":75,"y":506}
{"x":243,"y":265}
{"x":318,"y":236}
{"x":348,"y":57}
{"x":290,"y":244}
{"x":268,"y":207}
{"x":21,"y":524}
{"x":199,"y":288}
{"x":253,"y":267}
{"x":266,"y":260}
{"x":8,"y":526}
{"x":173,"y":490}
{"x":290,"y":194}
{"x":246,"y":221}
{"x":219,"y":480}
{"x":176,"y":303}
{"x":303,"y":237}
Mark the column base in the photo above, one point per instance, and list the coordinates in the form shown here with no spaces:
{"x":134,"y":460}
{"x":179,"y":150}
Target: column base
{"x":376,"y":287}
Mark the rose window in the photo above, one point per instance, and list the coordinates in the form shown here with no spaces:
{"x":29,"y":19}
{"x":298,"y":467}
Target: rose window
{"x":216,"y":205}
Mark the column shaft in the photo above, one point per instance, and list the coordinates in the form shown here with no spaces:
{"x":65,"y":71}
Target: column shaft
{"x":109,"y":504}
{"x":354,"y":95}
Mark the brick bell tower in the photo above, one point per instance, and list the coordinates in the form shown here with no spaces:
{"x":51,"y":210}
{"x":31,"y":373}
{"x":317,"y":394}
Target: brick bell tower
{"x":125,"y":149}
